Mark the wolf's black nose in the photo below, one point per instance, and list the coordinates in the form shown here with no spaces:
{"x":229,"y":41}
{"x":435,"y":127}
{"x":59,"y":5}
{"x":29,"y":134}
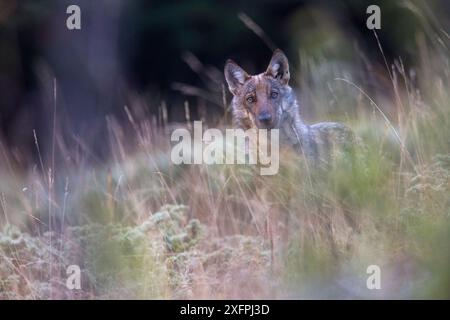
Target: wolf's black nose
{"x":265,"y":116}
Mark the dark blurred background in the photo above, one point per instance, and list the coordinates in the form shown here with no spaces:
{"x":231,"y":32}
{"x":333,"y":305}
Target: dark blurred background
{"x":154,"y":53}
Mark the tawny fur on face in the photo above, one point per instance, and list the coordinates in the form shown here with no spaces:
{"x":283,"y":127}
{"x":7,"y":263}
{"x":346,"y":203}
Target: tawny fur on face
{"x":258,"y":99}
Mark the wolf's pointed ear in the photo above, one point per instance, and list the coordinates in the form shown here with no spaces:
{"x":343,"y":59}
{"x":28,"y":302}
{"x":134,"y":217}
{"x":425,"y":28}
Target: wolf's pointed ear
{"x":235,"y":76}
{"x":279,"y":67}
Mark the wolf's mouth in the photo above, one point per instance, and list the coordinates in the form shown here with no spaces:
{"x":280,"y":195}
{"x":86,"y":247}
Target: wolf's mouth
{"x":268,"y":125}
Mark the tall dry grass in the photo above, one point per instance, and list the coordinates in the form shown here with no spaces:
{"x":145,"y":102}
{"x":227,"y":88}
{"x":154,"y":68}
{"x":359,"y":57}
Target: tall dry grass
{"x":141,"y":227}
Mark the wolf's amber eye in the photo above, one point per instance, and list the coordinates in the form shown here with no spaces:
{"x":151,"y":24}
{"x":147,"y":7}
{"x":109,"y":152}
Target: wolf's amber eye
{"x":274,"y":94}
{"x":250,"y":99}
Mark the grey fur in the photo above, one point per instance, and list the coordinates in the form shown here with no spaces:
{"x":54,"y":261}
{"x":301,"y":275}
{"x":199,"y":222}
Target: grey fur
{"x":317,"y":142}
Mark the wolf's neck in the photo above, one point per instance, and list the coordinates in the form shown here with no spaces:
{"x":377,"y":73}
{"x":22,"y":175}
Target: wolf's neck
{"x":293,"y":131}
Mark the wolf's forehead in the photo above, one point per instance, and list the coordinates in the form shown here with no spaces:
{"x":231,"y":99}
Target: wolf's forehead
{"x":259,"y":82}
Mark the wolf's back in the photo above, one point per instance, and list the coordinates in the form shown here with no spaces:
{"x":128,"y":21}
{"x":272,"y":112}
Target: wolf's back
{"x":325,"y":140}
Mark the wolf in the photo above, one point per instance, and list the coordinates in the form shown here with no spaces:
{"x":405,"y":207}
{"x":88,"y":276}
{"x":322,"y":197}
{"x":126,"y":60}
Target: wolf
{"x":266,"y":101}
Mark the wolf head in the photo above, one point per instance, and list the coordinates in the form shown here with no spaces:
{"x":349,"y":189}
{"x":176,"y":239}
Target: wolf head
{"x":260,"y":97}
